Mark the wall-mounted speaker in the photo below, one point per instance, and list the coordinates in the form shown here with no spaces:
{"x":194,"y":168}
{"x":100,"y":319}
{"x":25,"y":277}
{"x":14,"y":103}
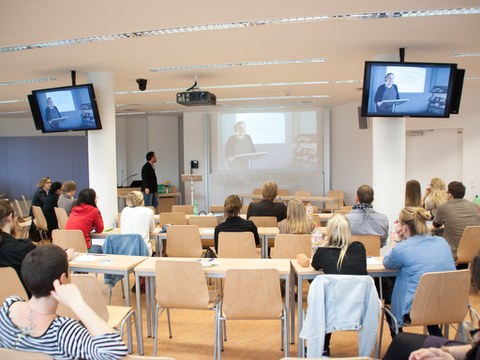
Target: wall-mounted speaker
{"x":194,"y":164}
{"x":362,"y":121}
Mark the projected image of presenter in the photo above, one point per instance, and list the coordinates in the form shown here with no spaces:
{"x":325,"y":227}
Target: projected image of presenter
{"x":387,"y":91}
{"x":52,"y":114}
{"x":240,"y":143}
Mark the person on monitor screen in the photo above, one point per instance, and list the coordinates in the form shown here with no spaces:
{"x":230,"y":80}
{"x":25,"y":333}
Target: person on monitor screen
{"x":387,"y":91}
{"x":240,"y":143}
{"x":52,"y":114}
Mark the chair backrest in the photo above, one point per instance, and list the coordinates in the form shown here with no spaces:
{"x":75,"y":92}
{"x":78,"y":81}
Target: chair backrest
{"x":23,"y":228}
{"x":187,"y":209}
{"x":67,"y":239}
{"x":288,"y":246}
{"x":441,"y":298}
{"x":11,"y":284}
{"x":314,"y":207}
{"x":119,"y":219}
{"x":92,"y":294}
{"x":181,"y":284}
{"x":346,"y":207}
{"x":257,"y":191}
{"x":264,"y":221}
{"x":469,"y":245}
{"x":371,"y":243}
{"x":303,"y":193}
{"x":252,"y":294}
{"x":342,"y":211}
{"x":22,"y":355}
{"x":217,"y":209}
{"x":18,"y":209}
{"x":25,"y":203}
{"x":203,"y":221}
{"x":239,"y":245}
{"x":184,"y":241}
{"x":338,"y":194}
{"x":173,"y":218}
{"x":62,"y":217}
{"x":283,"y":192}
{"x":40,"y":221}
{"x":244,"y":209}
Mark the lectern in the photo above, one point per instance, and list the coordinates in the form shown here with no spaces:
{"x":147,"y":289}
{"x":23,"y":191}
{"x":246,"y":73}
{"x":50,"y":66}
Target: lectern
{"x":191,"y":178}
{"x":249,"y":157}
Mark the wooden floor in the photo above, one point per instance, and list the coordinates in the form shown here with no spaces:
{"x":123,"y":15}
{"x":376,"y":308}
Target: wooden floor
{"x":193,"y":335}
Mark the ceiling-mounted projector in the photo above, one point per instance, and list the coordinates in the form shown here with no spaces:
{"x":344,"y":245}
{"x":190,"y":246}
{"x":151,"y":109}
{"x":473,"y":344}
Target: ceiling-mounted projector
{"x":196,"y":98}
{"x":193,"y":96}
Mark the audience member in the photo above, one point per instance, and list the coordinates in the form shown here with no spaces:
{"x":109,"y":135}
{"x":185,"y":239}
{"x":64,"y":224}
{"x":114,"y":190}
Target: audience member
{"x":32,"y":325}
{"x":50,"y":204}
{"x":417,"y":252}
{"x":137,"y":219}
{"x":338,"y":255}
{"x":456,"y":214}
{"x":267,"y":206}
{"x":233,"y":222}
{"x":413,"y":194}
{"x":85,"y":215}
{"x":297,"y":221}
{"x":418,"y":346}
{"x":364,"y":220}
{"x":66,"y":199}
{"x":12,"y":250}
{"x":38,"y":199}
{"x":435,"y":195}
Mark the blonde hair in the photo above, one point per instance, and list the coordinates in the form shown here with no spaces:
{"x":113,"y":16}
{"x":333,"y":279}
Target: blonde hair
{"x":270,"y":190}
{"x":297,"y":221}
{"x":338,"y":235}
{"x":413,"y":193}
{"x":437,"y":194}
{"x":416,"y":219}
{"x":41,"y":183}
{"x":232,"y":205}
{"x":134,"y":199}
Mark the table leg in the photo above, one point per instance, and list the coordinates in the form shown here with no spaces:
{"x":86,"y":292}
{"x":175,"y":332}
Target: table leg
{"x":299,"y":313}
{"x":139,"y":317}
{"x":126,"y":277}
{"x":147,"y":304}
{"x":292,"y":307}
{"x":288,"y":289}
{"x":264,"y":247}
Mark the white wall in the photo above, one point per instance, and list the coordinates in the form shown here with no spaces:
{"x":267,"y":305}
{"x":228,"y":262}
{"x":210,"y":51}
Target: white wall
{"x":24,"y":126}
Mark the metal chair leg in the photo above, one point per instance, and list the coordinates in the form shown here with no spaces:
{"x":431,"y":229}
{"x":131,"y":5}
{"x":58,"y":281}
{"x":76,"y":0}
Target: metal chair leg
{"x":155,"y":330}
{"x":169,"y":324}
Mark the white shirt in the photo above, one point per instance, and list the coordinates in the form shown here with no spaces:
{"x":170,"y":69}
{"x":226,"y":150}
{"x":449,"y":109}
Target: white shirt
{"x":138,"y":220}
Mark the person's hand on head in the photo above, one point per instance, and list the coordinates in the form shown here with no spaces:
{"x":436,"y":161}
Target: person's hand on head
{"x":67,"y":294}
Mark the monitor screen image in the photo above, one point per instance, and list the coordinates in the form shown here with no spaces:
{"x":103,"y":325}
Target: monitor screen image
{"x":69,"y":108}
{"x":395,"y":89}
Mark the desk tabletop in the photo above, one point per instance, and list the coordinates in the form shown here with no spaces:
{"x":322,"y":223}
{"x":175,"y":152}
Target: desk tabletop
{"x":106,"y":262}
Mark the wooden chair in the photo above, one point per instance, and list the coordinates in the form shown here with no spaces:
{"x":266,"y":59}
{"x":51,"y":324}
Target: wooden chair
{"x":11,"y":284}
{"x":237,"y":245}
{"x":189,"y":290}
{"x":469,"y":245}
{"x":67,"y":239}
{"x":203,"y":221}
{"x":23,"y":217}
{"x":251,"y":294}
{"x":264,"y":221}
{"x":62,"y":217}
{"x":283,"y":192}
{"x":22,"y":355}
{"x":303,"y":193}
{"x":187,"y":209}
{"x":288,"y":246}
{"x":371,"y":243}
{"x":441,"y":298}
{"x":244,"y":209}
{"x":184,"y":241}
{"x":26,"y":204}
{"x":217,"y":209}
{"x":346,"y":207}
{"x":116,"y":316}
{"x":23,"y":228}
{"x":338,"y":203}
{"x":40,"y":222}
{"x":172,"y":218}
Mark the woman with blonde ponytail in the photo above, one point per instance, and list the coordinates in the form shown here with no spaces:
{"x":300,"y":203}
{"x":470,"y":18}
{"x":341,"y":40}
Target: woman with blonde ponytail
{"x":415,"y":253}
{"x":435,"y":195}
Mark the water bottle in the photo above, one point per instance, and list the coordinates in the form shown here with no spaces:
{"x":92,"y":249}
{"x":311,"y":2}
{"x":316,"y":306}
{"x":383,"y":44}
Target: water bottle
{"x":317,"y":237}
{"x":195,"y":207}
{"x":309,"y":210}
{"x":393,"y":231}
{"x":476,"y":201}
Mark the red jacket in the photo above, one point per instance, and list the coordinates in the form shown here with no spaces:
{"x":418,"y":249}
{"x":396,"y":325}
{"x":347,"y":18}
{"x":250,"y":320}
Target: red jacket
{"x":86,"y":218}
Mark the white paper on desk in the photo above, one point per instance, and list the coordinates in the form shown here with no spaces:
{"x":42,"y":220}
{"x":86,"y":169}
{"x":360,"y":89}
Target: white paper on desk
{"x":209,"y":262}
{"x":373,"y":261}
{"x":208,"y":231}
{"x":86,"y":258}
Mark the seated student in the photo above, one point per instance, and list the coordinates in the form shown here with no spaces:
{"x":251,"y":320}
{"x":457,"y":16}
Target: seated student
{"x":12,"y":250}
{"x":297,"y":221}
{"x":338,"y":255}
{"x":85,"y":215}
{"x":416,"y":253}
{"x":233,"y":222}
{"x":66,"y":199}
{"x":267,"y":206}
{"x":137,"y":219}
{"x":34,"y":326}
{"x":418,"y":346}
{"x":50,"y":204}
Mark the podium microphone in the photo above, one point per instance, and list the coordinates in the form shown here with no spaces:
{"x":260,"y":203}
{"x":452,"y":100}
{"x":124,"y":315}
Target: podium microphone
{"x":128,"y":177}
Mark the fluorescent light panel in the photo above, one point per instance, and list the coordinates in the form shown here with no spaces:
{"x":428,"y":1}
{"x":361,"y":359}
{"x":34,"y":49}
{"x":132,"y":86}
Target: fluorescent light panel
{"x":466,"y":54}
{"x":26,"y":81}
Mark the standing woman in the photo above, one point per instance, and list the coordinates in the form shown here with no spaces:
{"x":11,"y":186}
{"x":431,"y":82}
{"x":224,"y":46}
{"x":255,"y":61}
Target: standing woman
{"x":51,"y":202}
{"x":85,"y":215}
{"x":339,"y":256}
{"x":297,"y":221}
{"x":38,"y":199}
{"x":416,"y":253}
{"x":413,"y":194}
{"x":435,"y":195}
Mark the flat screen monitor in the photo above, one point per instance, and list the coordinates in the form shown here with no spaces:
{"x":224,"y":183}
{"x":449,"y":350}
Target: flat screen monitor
{"x":35,"y":114}
{"x":395,"y":89}
{"x":69,"y":108}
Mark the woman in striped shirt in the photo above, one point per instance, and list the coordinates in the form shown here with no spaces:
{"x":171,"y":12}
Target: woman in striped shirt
{"x":34,"y":326}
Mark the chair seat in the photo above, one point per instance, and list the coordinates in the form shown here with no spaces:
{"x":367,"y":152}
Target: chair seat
{"x":116,"y":314}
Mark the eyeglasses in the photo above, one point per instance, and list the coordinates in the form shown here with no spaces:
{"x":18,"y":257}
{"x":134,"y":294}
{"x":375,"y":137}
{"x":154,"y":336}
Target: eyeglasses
{"x":49,"y":182}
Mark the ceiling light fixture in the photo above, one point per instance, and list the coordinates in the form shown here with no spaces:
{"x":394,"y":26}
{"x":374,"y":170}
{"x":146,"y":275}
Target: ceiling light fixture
{"x":26,"y":81}
{"x":466,"y":54}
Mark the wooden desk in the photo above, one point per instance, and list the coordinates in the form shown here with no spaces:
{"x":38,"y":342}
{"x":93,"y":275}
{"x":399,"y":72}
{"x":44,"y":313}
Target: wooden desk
{"x":165,"y":201}
{"x":334,"y":201}
{"x":147,"y":269}
{"x":309,"y":273}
